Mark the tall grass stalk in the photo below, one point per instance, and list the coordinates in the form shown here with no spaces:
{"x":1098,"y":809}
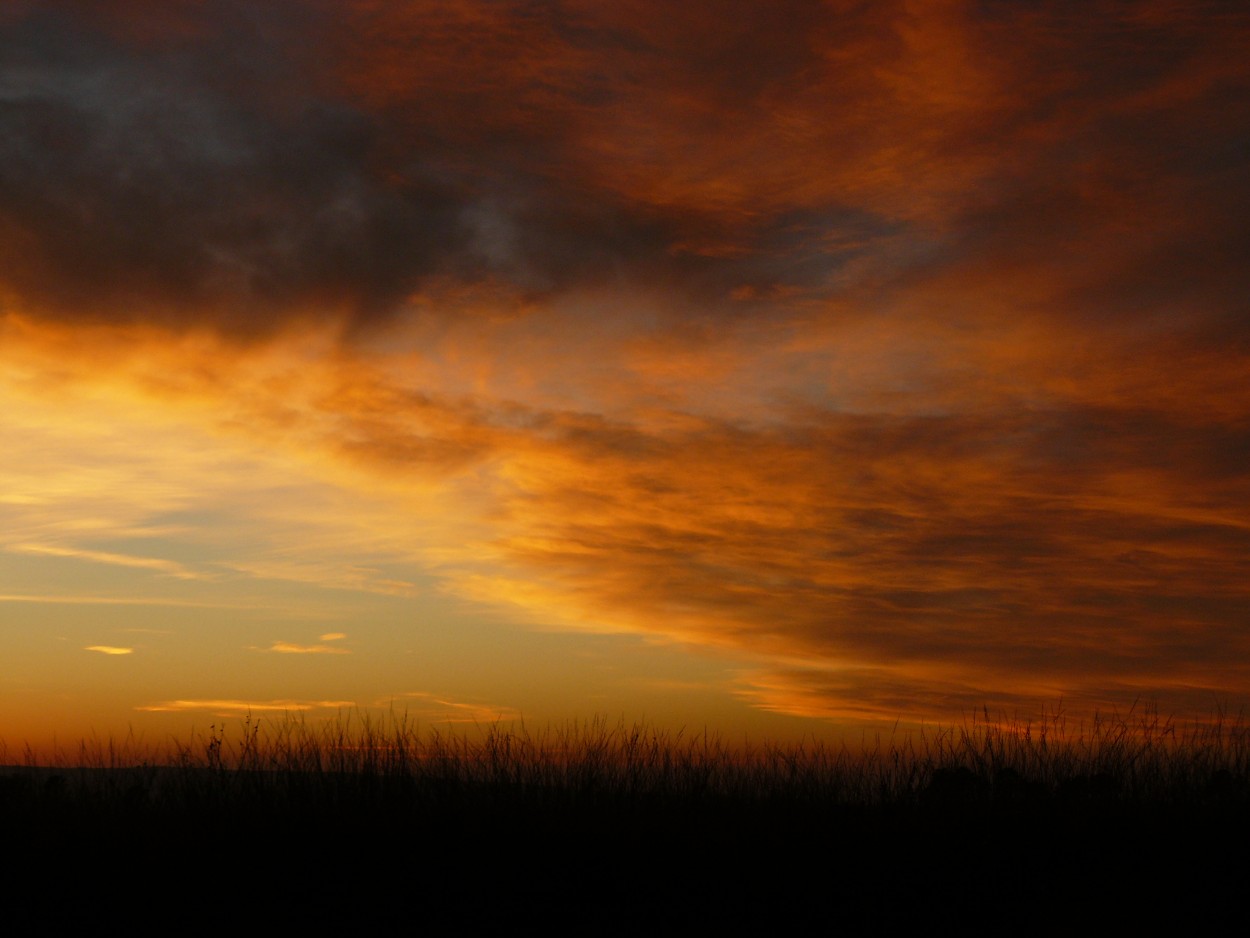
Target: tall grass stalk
{"x":1140,"y":757}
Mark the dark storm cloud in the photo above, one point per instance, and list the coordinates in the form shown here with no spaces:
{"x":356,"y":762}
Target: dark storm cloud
{"x":253,"y":171}
{"x":195,"y":184}
{"x":224,"y":164}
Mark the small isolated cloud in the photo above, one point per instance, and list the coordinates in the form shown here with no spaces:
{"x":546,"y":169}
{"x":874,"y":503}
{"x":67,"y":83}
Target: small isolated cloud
{"x":240,"y":707}
{"x":332,"y":636}
{"x":109,"y":649}
{"x":290,"y":648}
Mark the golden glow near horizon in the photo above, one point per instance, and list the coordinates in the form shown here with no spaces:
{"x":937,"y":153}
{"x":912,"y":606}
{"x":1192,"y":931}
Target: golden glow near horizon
{"x":778,"y":372}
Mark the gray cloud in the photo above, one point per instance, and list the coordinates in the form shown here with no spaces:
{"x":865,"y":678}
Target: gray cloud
{"x":217,"y":165}
{"x":221,"y":165}
{"x":140,"y":184}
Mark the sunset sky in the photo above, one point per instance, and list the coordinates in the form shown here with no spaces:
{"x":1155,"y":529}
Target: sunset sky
{"x":776,"y":367}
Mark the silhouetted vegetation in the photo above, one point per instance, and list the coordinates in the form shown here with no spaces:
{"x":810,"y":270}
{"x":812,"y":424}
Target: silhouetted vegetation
{"x":619,"y":827}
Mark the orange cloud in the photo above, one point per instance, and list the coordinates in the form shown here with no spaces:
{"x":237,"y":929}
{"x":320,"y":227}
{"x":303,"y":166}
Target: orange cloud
{"x":290,"y":648}
{"x":938,"y":537}
{"x":233,"y":708}
{"x":898,"y":348}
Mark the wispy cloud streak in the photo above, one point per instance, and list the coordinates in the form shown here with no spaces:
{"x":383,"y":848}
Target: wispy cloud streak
{"x":291,"y":648}
{"x":229,"y":707}
{"x":98,"y":556}
{"x":432,"y":708}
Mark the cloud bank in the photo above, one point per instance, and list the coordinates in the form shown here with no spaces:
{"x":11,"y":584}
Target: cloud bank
{"x":901,"y":349}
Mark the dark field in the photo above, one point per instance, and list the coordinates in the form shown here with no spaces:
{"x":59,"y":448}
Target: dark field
{"x":601,"y":829}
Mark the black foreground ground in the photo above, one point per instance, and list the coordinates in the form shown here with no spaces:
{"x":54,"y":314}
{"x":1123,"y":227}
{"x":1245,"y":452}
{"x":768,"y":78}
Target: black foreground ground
{"x":641,"y":837}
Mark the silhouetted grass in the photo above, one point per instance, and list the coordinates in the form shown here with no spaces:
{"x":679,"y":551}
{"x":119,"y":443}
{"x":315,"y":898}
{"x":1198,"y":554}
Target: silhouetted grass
{"x":365,"y":819}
